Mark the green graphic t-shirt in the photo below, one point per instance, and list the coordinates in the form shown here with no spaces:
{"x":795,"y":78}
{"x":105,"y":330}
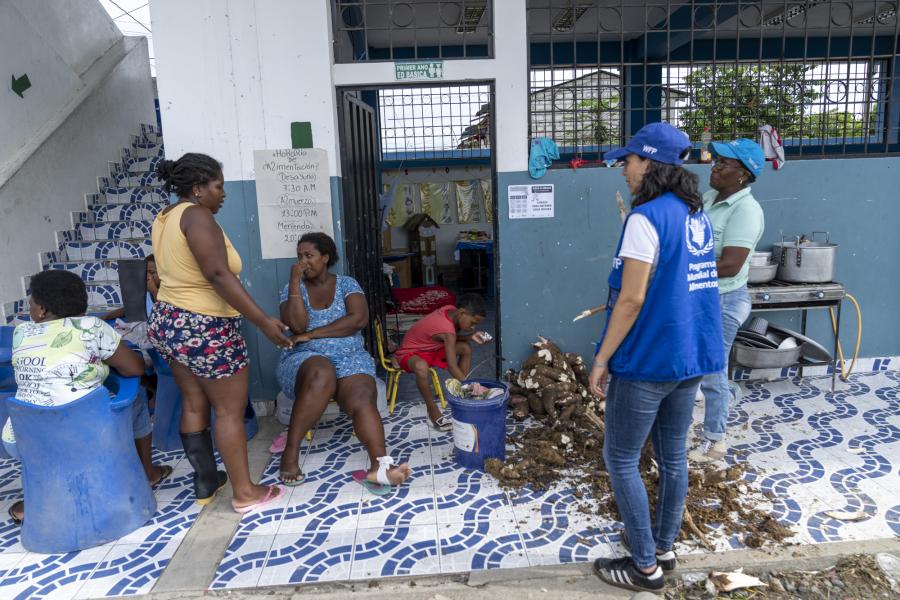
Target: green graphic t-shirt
{"x":60,"y":361}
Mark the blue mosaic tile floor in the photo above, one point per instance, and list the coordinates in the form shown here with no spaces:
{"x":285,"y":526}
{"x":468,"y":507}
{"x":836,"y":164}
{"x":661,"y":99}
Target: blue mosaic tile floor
{"x":128,"y":566}
{"x":815,"y":451}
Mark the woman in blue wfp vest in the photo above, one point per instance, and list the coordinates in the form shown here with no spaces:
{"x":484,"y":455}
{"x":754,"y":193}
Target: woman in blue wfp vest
{"x":663,"y":333}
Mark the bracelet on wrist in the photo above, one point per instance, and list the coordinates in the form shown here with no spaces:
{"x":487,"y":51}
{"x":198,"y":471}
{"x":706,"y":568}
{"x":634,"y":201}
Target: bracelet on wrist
{"x":600,"y":363}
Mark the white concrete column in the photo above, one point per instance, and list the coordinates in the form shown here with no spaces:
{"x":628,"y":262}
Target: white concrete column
{"x":511,"y":56}
{"x":232,"y":76}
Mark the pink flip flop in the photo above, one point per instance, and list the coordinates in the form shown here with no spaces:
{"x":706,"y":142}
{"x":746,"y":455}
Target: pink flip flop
{"x":279,"y":443}
{"x":275,"y":492}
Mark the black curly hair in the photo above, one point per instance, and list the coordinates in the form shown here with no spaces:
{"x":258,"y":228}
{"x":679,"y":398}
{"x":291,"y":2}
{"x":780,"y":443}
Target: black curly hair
{"x":661,"y":178}
{"x":62,"y":293}
{"x":324,"y":244}
{"x":180,"y":176}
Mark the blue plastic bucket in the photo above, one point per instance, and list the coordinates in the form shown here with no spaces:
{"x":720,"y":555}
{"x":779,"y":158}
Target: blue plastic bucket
{"x":479,"y":426}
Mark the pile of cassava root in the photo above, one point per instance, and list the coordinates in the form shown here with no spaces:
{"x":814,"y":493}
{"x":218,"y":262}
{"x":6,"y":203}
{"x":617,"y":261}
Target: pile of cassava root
{"x":552,"y":384}
{"x":562,"y":444}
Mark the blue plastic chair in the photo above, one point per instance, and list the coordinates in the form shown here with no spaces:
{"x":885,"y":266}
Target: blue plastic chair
{"x":167,"y":414}
{"x":83,"y":481}
{"x":7,"y":376}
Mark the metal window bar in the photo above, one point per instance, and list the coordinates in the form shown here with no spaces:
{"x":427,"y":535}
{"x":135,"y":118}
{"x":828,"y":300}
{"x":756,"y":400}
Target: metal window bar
{"x":393,"y":30}
{"x":824,"y":73}
{"x":435,"y":122}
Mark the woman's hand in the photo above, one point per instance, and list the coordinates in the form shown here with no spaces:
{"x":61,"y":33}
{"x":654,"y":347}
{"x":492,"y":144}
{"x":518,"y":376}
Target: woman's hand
{"x":274,"y":329}
{"x":302,"y":337}
{"x":297,"y":271}
{"x":598,"y":379}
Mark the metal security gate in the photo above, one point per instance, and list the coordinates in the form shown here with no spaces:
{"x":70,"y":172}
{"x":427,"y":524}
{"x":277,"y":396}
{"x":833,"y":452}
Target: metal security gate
{"x":361,"y":206}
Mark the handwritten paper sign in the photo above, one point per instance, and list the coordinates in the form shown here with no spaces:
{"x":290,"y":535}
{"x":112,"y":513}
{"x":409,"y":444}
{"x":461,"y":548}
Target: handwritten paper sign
{"x":293,"y":197}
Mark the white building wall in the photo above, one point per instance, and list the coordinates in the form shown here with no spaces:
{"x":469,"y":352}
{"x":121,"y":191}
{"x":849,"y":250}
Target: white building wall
{"x":234,"y":74}
{"x":56,"y":44}
{"x":39,"y":198}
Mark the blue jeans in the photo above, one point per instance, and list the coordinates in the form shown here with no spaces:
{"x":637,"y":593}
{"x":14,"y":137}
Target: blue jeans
{"x":715,"y":386}
{"x":661,"y":410}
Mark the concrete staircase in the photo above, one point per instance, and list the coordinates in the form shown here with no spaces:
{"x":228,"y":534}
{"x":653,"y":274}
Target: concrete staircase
{"x":115,"y":225}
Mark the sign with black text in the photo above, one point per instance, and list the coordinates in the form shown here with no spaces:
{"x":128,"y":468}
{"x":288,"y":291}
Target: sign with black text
{"x":293,"y":197}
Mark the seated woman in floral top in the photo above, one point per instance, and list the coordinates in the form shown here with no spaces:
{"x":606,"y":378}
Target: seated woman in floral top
{"x":61,"y":356}
{"x":329,"y":313}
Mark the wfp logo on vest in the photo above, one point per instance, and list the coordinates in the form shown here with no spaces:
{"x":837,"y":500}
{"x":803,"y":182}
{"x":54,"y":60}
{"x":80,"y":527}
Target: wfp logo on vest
{"x":698,"y":234}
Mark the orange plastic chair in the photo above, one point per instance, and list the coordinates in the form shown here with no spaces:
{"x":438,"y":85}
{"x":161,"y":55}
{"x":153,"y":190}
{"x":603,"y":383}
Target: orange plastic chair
{"x":394,"y":373}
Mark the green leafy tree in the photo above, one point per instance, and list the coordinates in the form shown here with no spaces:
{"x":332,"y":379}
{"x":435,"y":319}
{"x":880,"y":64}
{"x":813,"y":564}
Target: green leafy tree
{"x":595,"y":121}
{"x":733,"y":101}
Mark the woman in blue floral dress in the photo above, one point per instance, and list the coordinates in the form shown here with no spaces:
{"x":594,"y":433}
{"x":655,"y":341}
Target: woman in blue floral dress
{"x":329,"y":312}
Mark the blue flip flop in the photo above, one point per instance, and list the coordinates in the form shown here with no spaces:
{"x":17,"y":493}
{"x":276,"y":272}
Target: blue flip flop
{"x":378,"y":489}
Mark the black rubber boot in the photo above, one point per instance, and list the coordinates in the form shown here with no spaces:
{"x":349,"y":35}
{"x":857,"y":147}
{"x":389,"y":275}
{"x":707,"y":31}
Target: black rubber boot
{"x":207,"y":479}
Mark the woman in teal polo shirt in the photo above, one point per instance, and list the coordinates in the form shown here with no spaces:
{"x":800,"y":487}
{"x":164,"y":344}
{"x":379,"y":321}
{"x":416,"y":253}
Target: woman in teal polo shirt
{"x":738,"y":222}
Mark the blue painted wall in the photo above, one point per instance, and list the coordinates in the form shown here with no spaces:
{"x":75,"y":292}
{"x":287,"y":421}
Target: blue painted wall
{"x":262,"y":278}
{"x":552,"y":269}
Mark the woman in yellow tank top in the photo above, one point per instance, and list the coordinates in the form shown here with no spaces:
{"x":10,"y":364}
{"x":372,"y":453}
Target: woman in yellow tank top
{"x":196,"y":325}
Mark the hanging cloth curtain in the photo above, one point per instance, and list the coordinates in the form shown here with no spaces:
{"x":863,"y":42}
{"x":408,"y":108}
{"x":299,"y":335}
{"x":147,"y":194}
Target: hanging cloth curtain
{"x":436,"y":202}
{"x":467,"y":203}
{"x":487,"y":199}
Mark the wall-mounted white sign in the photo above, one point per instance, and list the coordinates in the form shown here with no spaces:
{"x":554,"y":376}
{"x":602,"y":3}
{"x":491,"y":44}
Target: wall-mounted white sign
{"x":293,"y":197}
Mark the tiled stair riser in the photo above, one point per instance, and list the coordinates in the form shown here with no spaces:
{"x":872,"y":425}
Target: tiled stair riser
{"x":129,"y":195}
{"x":113,"y":230}
{"x":108,"y":250}
{"x":136,"y":211}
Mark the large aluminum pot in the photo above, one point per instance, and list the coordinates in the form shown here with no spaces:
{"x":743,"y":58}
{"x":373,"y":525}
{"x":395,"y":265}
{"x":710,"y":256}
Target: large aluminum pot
{"x":803,"y":260}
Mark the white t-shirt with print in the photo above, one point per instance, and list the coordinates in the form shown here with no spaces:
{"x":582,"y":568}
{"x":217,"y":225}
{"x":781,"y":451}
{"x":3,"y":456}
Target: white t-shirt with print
{"x":60,"y":361}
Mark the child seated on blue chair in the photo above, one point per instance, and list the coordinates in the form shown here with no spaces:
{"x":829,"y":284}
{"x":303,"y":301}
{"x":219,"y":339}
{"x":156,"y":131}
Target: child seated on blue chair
{"x":62,"y":355}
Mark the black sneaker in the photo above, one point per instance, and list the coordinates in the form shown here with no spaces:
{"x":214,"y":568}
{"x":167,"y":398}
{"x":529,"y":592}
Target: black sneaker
{"x":667,"y":560}
{"x":622,"y":573}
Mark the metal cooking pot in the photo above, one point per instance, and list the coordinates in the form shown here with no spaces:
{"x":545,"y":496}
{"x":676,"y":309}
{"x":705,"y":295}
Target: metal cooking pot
{"x":803,"y":260}
{"x":762,"y":273}
{"x":765,"y":358}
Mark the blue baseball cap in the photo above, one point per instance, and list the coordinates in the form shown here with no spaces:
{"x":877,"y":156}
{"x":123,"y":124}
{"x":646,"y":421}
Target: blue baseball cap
{"x":657,"y":141}
{"x":746,"y":151}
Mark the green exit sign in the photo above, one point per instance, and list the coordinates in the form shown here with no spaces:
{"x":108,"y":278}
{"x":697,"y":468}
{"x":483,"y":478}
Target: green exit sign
{"x":411,"y":71}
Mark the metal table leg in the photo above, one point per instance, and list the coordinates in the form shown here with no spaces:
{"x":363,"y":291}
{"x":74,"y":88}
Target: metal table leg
{"x":802,"y":332}
{"x":837,"y":337}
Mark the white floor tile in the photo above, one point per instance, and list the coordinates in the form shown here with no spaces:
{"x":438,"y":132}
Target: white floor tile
{"x":395,"y":551}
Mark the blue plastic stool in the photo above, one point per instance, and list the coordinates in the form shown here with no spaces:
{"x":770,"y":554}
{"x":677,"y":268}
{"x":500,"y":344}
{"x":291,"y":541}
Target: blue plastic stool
{"x":167,"y":414}
{"x":83,"y":481}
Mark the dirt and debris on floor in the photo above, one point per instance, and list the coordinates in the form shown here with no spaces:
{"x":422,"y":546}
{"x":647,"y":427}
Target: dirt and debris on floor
{"x":563,"y":444}
{"x":855,"y":577}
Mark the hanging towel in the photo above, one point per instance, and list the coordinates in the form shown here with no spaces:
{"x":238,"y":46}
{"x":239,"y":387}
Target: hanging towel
{"x":543,"y":153}
{"x":771,"y":145}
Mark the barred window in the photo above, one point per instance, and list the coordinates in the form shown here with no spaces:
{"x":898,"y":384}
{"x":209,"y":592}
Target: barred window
{"x":809,"y":103}
{"x":390,"y":30}
{"x":435,"y":122}
{"x":580,"y":109}
{"x":824,"y":73}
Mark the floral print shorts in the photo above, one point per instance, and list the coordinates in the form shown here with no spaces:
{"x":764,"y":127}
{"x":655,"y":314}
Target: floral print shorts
{"x":211,"y":347}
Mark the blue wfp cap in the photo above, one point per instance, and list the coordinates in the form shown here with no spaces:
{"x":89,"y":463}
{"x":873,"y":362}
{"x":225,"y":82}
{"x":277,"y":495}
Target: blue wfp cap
{"x":657,"y":141}
{"x":746,"y":151}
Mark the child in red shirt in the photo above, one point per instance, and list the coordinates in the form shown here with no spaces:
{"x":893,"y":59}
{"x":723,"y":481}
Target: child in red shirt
{"x":435,"y":341}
